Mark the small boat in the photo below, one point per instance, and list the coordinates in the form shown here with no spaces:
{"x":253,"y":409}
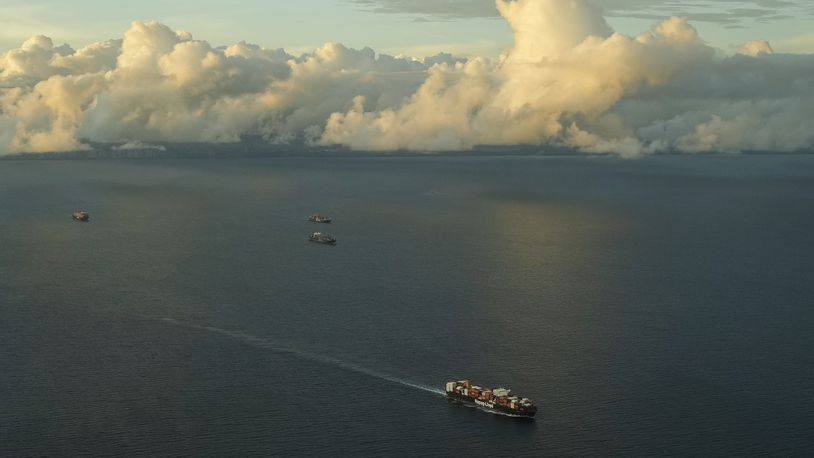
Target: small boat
{"x":80,"y":215}
{"x":317,"y":218}
{"x":319,"y":237}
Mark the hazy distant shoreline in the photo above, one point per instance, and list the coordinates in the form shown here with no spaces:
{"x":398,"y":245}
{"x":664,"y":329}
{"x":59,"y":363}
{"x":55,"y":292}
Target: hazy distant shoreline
{"x":254,"y":150}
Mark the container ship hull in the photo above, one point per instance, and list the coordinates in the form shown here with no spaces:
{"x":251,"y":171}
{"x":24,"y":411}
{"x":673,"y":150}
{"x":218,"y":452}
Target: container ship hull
{"x":489,"y":406}
{"x":499,"y":400}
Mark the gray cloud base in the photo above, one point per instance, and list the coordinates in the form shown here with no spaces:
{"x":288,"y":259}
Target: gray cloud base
{"x":718,"y":11}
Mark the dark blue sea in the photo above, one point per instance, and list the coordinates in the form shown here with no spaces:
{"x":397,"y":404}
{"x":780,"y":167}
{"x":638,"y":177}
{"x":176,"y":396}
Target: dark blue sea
{"x":659,"y":306}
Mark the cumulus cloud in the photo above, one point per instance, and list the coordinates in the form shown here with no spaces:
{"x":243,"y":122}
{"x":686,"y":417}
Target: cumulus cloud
{"x":755,"y":48}
{"x":160,"y":85}
{"x":568,"y":80}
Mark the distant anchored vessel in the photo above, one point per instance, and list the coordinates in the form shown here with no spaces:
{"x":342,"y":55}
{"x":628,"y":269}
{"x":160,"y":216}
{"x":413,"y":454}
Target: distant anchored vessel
{"x":80,"y":215}
{"x":498,"y":400}
{"x":317,"y":218}
{"x":319,"y":237}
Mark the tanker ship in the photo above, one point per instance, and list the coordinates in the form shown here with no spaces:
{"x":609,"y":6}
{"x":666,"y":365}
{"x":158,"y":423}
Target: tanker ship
{"x":498,"y":400}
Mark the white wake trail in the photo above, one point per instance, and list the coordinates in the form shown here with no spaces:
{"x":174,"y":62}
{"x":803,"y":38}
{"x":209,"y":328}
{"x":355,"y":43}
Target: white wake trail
{"x":327,"y":360}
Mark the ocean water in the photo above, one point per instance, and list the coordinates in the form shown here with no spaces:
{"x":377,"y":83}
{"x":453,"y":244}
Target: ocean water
{"x":661,"y":306}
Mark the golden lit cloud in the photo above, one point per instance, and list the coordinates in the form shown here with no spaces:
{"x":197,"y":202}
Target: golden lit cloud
{"x":568,"y":80}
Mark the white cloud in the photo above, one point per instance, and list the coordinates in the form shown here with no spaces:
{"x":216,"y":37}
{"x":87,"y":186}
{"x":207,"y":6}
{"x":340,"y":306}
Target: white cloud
{"x":136,"y":145}
{"x":156,"y":84}
{"x":569,"y":80}
{"x":755,"y":48}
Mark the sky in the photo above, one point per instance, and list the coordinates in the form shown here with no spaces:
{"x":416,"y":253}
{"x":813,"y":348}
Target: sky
{"x":629,"y":77}
{"x":415,"y":27}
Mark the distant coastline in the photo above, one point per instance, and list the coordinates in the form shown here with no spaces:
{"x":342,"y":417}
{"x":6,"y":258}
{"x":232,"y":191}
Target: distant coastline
{"x":262,"y":149}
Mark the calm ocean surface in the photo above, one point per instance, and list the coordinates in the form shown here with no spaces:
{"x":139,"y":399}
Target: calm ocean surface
{"x":662,"y":306}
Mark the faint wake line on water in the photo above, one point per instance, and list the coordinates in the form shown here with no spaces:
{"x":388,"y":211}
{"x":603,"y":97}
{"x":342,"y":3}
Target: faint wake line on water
{"x":266,"y":344}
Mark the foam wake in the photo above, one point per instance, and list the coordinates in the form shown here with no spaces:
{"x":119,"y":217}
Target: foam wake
{"x":267,"y":344}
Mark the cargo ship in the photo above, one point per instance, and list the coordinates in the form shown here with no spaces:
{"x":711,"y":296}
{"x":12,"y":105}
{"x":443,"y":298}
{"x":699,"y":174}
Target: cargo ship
{"x":319,"y":237}
{"x":80,"y":215}
{"x":317,"y":218}
{"x":498,"y":400}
